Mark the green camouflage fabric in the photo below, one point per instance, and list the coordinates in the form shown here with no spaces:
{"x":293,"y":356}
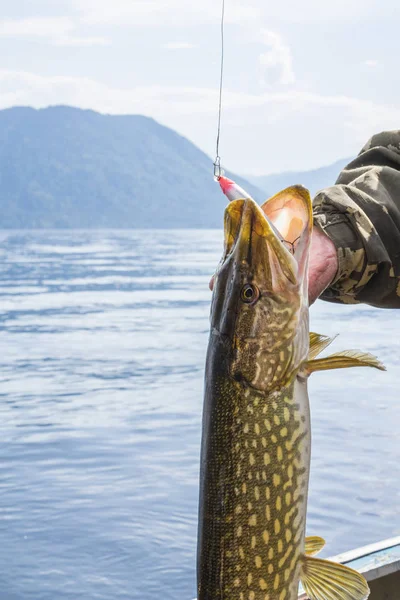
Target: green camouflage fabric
{"x":361,"y":215}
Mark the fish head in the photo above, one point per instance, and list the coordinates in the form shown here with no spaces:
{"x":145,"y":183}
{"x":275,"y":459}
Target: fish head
{"x":260,"y":295}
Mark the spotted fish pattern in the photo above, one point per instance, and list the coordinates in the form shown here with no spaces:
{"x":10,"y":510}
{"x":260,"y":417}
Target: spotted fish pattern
{"x":261,"y":461}
{"x":361,"y":215}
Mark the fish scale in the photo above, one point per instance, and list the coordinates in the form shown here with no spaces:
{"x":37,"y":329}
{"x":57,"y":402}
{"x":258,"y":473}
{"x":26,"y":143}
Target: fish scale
{"x":264,"y":502}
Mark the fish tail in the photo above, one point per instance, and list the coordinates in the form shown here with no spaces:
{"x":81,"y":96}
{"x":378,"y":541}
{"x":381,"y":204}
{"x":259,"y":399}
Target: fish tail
{"x":326,"y":580}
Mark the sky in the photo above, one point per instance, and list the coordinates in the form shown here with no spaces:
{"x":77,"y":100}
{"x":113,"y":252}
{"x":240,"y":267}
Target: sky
{"x":305,"y":83}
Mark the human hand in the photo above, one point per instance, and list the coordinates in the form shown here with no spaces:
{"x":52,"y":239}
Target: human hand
{"x":323,"y":265}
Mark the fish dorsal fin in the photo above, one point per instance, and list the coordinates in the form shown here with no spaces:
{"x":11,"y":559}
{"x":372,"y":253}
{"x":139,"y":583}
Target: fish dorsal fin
{"x":318,"y":343}
{"x":313,"y":545}
{"x":326,"y":580}
{"x":344,"y":360}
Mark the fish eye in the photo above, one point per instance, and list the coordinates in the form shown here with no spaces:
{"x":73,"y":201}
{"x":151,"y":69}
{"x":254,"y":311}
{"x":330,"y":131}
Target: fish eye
{"x":249,"y":293}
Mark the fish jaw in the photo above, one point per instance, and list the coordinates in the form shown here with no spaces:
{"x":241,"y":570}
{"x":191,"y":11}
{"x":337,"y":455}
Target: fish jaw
{"x":281,"y":228}
{"x":264,"y":330}
{"x":290,"y":212}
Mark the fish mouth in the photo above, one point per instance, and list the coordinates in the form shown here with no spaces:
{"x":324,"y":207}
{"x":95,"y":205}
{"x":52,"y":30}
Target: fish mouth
{"x":271,"y":241}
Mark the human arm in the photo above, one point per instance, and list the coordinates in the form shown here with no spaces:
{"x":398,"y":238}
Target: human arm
{"x":360,"y":215}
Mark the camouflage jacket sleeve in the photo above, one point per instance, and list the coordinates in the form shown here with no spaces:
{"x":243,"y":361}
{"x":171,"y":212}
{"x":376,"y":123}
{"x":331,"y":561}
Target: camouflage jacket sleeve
{"x":361,"y":215}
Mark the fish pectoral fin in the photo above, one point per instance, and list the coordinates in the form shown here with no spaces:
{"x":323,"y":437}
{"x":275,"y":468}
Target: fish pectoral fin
{"x":318,"y":343}
{"x":314,"y":544}
{"x":326,"y":580}
{"x":343,"y":360}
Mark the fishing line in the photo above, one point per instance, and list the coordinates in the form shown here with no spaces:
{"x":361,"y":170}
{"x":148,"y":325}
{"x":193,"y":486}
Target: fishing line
{"x":218,"y":172}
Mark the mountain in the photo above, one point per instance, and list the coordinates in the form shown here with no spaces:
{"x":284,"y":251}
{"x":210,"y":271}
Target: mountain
{"x":64,"y":167}
{"x":314,"y":180}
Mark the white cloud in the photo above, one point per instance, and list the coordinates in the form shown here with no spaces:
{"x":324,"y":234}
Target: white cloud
{"x":277,"y":126}
{"x":81,"y":41}
{"x":59,"y":31}
{"x":156,"y":13}
{"x":178,"y":45}
{"x":137,"y":13}
{"x":39,"y":91}
{"x":277,"y":58}
{"x":371,"y":63}
{"x":36,"y":27}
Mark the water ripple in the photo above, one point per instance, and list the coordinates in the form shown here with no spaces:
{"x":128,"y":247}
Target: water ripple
{"x":104,"y":336}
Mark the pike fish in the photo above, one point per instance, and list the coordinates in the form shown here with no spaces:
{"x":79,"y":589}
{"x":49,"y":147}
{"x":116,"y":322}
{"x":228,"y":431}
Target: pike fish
{"x":256,"y":437}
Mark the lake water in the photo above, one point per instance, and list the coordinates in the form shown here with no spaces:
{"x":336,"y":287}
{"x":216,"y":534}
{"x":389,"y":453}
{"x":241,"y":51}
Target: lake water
{"x":103,"y":338}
